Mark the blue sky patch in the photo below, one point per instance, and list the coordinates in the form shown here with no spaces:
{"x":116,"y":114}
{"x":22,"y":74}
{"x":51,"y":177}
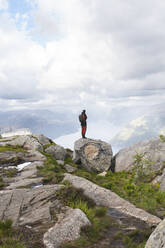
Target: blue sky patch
{"x":22,"y":9}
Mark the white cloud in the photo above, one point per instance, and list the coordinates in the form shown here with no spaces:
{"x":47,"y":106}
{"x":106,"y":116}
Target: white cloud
{"x":105,"y":56}
{"x":3,"y":4}
{"x":141,"y":121}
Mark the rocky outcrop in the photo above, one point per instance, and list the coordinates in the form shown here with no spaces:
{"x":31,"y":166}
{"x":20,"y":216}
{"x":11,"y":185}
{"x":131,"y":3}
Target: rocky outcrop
{"x":30,"y":207}
{"x":157,"y":238}
{"x":24,"y":141}
{"x":43,"y":140}
{"x":28,"y":177}
{"x":31,"y":144}
{"x":92,"y":155}
{"x":107,"y":198}
{"x":66,"y":229}
{"x":57,"y":152}
{"x":152,"y":152}
{"x":9,"y":158}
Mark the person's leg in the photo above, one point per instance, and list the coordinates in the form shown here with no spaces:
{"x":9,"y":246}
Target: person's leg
{"x":84,"y":131}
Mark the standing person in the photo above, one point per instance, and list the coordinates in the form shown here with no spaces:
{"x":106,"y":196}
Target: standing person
{"x":83,"y":118}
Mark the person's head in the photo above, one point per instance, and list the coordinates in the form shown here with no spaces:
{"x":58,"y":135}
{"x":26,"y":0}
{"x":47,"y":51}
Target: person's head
{"x":84,"y":111}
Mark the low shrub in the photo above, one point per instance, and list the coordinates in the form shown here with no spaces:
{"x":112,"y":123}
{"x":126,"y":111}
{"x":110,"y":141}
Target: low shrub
{"x":8,"y":236}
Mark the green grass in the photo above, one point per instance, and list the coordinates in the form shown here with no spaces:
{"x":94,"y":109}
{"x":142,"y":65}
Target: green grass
{"x":48,"y":145}
{"x":125,"y":184}
{"x":101,"y":223}
{"x":1,"y":183}
{"x":68,"y":160}
{"x":130,"y":186}
{"x":162,"y":138}
{"x":52,"y":172}
{"x":89,"y":234}
{"x":135,"y":239}
{"x":12,"y":148}
{"x":8,"y":236}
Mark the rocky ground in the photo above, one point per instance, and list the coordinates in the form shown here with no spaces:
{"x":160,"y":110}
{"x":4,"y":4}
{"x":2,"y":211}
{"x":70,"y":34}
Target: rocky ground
{"x":31,"y":199}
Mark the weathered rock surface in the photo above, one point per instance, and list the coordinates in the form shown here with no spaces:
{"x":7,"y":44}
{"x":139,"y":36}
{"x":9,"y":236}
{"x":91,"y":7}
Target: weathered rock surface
{"x":25,"y":141}
{"x":28,"y":177}
{"x":29,"y":206}
{"x":58,"y":152}
{"x":107,"y":198}
{"x":11,"y":158}
{"x":43,"y":140}
{"x":69,"y":168}
{"x":67,"y":229}
{"x":15,"y":158}
{"x":152,"y":149}
{"x":27,"y":182}
{"x":93,"y":155}
{"x":157,"y":238}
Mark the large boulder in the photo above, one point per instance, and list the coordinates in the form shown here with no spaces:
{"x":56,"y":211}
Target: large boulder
{"x":66,"y":229}
{"x":151,"y":152}
{"x":57,"y":151}
{"x":157,"y":238}
{"x":92,"y":155}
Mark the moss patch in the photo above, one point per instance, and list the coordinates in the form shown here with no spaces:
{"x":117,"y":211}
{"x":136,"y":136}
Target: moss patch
{"x":68,"y":160}
{"x":12,"y":148}
{"x":48,"y":145}
{"x":51,"y":172}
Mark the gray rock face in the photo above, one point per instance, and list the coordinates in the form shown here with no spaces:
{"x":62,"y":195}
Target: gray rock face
{"x":67,"y":229}
{"x":25,"y":141}
{"x":27,"y":177}
{"x":15,"y":158}
{"x":153,"y":150}
{"x":93,"y":155}
{"x":107,"y":198}
{"x":157,"y":238}
{"x":58,"y":152}
{"x":43,"y":140}
{"x":29,"y":206}
{"x":11,"y":158}
{"x":69,"y":168}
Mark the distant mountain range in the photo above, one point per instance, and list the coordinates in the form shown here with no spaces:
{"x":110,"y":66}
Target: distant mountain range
{"x":49,"y":123}
{"x":142,"y":128}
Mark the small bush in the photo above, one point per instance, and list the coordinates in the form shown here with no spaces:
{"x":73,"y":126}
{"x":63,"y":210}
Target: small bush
{"x":162,"y":138}
{"x":8,"y":236}
{"x":72,"y":196}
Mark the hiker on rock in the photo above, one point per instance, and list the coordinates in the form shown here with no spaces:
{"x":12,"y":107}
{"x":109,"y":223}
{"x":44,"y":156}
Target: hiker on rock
{"x":82,"y":119}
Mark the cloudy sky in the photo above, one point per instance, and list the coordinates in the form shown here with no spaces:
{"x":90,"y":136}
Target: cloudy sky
{"x":66,"y":55}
